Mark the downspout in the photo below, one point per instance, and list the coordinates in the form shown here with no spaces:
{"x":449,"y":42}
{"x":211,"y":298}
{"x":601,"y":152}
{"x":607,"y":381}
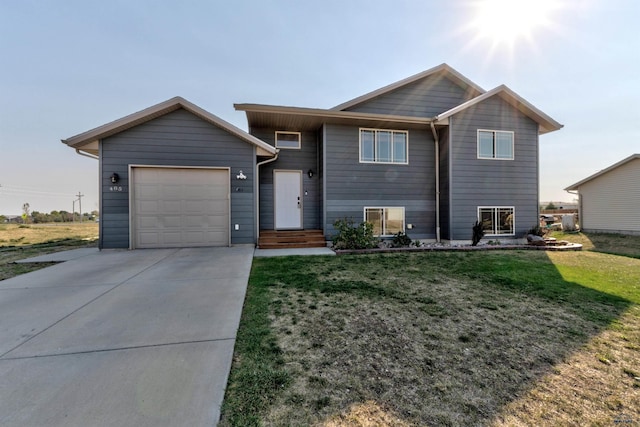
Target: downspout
{"x":436,"y":141}
{"x":257,"y":184}
{"x":577,"y":193}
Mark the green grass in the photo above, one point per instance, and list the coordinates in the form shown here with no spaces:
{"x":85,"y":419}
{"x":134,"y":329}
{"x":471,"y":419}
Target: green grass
{"x":444,"y":338}
{"x":616,"y":244}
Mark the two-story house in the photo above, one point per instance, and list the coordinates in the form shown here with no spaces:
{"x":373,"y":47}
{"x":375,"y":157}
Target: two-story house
{"x":428,"y":155}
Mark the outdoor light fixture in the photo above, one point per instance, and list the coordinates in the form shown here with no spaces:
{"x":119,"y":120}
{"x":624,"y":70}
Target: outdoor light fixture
{"x":310,"y":173}
{"x":115,"y":178}
{"x":241,"y":176}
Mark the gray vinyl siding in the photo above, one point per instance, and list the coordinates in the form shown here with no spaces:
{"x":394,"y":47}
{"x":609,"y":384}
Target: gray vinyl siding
{"x":291,"y":159}
{"x":427,"y":97}
{"x":611,"y":202}
{"x":480,"y":182}
{"x":350,"y":186}
{"x":178,"y":138}
{"x":445,"y":229}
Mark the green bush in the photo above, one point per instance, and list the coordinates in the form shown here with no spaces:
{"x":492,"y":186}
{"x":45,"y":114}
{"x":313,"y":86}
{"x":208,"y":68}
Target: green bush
{"x":351,"y":236}
{"x":401,"y":240}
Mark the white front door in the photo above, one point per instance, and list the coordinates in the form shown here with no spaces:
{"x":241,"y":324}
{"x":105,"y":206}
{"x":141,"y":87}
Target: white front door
{"x":288,"y":199}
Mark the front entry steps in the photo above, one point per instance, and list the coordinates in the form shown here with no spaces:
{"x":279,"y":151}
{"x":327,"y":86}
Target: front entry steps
{"x":272,"y":239}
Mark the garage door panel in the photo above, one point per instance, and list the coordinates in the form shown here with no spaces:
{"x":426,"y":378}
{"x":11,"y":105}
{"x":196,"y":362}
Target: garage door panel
{"x":148,"y":239}
{"x":176,"y":207}
{"x":171,"y":207}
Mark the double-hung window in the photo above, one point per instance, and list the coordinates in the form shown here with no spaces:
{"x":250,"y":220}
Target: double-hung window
{"x":495,"y":144}
{"x":497,"y":221}
{"x":385,"y":221}
{"x":384,"y":146}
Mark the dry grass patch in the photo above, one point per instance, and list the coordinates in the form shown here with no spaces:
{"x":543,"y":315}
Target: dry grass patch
{"x":443,"y":339}
{"x":599,"y":383}
{"x":31,"y":234}
{"x":24,"y":241}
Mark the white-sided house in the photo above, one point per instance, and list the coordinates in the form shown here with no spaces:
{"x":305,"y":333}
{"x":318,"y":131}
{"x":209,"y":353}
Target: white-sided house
{"x":609,"y":200}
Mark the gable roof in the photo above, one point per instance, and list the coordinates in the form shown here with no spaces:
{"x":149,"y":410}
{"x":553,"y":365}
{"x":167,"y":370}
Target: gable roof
{"x":444,"y":69}
{"x":575,"y":186}
{"x":547,"y":124}
{"x":88,"y":141}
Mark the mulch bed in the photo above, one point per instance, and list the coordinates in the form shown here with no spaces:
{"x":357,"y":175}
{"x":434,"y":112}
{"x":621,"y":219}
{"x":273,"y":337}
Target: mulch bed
{"x":466,"y":248}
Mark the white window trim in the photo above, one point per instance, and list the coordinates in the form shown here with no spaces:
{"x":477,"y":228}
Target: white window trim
{"x":406,"y":132}
{"x":513,"y":223}
{"x":513,"y":144}
{"x":289,"y":133}
{"x":404,"y":218}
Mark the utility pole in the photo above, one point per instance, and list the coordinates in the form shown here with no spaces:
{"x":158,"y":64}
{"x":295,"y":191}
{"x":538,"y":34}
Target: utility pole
{"x":80,"y":196}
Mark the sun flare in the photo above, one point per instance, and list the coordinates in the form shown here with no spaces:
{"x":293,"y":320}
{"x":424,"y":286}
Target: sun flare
{"x":508,"y":21}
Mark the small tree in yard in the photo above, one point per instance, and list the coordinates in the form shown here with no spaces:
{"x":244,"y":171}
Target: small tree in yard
{"x":351,"y":236}
{"x":478,"y":233}
{"x":25,"y":213}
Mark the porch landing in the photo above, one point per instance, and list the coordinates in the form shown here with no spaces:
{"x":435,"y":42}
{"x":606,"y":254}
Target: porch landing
{"x":286,"y":239}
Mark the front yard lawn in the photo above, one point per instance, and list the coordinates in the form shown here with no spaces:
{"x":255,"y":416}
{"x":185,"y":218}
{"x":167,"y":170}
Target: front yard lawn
{"x":445,"y":338}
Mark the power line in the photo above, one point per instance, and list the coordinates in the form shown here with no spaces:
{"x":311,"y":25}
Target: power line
{"x":30,"y":191}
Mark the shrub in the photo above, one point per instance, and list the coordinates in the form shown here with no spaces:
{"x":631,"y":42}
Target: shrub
{"x":401,"y":240}
{"x":537,"y":231}
{"x":478,"y":233}
{"x":351,"y":236}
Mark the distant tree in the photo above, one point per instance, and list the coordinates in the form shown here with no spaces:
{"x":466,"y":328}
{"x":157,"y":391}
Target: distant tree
{"x":38,"y":217}
{"x":25,"y":213}
{"x":55,"y":216}
{"x":550,"y":206}
{"x":3,"y":219}
{"x":66,"y":216}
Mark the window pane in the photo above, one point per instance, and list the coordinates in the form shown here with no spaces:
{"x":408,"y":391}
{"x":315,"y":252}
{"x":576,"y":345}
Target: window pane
{"x":399,"y":147}
{"x":394,"y":220}
{"x":485,"y":144}
{"x":505,"y":218}
{"x":367,"y":151}
{"x":374,"y":216}
{"x":504,"y":145}
{"x":486,"y":219}
{"x":384,"y":146}
{"x":287,"y":140}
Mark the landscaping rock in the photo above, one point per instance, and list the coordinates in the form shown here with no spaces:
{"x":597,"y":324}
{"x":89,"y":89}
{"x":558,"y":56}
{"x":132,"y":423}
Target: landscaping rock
{"x":535,"y":240}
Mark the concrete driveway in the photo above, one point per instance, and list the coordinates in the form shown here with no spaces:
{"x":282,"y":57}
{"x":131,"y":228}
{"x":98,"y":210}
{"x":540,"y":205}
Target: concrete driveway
{"x":122,"y":338}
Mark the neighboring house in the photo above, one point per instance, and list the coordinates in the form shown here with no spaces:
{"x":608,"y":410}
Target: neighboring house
{"x":428,"y":155}
{"x":609,"y":200}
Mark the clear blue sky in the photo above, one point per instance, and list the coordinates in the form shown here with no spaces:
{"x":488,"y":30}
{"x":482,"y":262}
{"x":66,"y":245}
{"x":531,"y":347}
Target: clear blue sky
{"x":69,"y":66}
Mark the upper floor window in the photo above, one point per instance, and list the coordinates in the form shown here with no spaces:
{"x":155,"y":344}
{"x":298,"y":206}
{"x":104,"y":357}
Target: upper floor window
{"x":288,"y":140}
{"x":495,"y":144}
{"x":384,"y":146}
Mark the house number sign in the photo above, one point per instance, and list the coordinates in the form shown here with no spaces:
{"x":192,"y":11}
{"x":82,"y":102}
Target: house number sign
{"x":118,"y":188}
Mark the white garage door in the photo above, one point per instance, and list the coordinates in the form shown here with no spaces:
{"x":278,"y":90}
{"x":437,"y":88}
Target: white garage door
{"x":175,"y":207}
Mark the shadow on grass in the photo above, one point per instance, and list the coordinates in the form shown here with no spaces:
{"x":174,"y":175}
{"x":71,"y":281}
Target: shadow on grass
{"x":429,"y":338}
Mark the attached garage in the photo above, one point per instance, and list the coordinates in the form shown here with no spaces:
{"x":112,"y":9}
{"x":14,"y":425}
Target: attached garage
{"x":174,"y":175}
{"x":179,"y":207}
